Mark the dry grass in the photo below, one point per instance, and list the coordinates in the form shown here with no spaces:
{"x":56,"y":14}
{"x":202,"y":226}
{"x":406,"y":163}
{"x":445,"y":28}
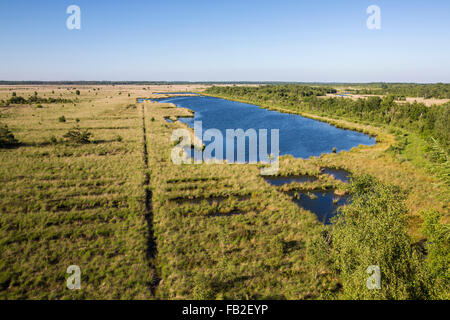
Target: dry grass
{"x":220,"y":231}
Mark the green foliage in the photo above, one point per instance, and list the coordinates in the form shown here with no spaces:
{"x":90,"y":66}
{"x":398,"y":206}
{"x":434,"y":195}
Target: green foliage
{"x":34,"y":99}
{"x":16,"y":100}
{"x":62,"y":119}
{"x":372,"y":231}
{"x":53,"y":140}
{"x":429,"y":122}
{"x":436,"y":90}
{"x":274,"y":93}
{"x":77,"y":92}
{"x":77,"y":136}
{"x":438,"y":258}
{"x":6,"y":137}
{"x":202,"y":288}
{"x":318,"y":252}
{"x":440,"y":158}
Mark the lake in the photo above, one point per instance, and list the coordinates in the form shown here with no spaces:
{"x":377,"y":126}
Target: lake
{"x":298,"y":136}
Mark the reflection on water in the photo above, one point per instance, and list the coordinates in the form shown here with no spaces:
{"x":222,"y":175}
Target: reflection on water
{"x":323,"y":204}
{"x":300,"y":137}
{"x":338,"y":174}
{"x":279,"y":181}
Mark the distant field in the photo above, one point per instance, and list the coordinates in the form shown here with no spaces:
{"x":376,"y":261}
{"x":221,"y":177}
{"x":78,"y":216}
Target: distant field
{"x":427,"y":102}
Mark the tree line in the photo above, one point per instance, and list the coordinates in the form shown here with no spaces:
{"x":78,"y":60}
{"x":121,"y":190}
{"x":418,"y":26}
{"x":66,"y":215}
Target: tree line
{"x":15,"y":99}
{"x":427,"y":91}
{"x":430,"y":122}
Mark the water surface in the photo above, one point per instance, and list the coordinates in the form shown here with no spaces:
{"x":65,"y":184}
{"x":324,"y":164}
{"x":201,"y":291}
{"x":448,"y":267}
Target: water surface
{"x":299,"y":136}
{"x":324,"y":204}
{"x":338,"y":174}
{"x":280,"y":180}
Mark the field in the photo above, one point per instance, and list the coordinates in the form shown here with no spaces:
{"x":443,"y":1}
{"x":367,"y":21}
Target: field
{"x":141,"y":227}
{"x":427,"y":102}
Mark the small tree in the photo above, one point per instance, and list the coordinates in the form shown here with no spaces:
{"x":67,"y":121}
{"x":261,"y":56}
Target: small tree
{"x":7,"y":139}
{"x":371,"y":231}
{"x":78,"y":136}
{"x":77,"y":92}
{"x":438,"y":247}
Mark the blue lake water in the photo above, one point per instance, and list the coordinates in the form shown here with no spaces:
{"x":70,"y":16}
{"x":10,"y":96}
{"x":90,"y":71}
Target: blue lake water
{"x":325,"y":206}
{"x":324,"y":203}
{"x":338,"y":174}
{"x":298,"y":136}
{"x":280,"y":180}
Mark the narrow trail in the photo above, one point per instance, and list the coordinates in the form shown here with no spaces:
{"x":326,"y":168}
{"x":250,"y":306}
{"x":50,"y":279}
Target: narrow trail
{"x":151,"y":243}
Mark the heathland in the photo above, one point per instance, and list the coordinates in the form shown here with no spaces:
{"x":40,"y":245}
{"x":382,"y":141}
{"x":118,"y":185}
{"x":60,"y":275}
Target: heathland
{"x":87,"y":180}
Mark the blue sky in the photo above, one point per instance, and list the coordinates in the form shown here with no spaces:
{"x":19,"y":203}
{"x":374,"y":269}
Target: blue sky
{"x":215,"y":40}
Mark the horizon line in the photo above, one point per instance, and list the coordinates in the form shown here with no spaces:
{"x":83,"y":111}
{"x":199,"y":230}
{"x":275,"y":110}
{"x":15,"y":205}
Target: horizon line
{"x":8,"y":82}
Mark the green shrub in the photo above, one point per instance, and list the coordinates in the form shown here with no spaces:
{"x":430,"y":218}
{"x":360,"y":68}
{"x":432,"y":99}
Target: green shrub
{"x":438,"y":258}
{"x":39,"y":106}
{"x":77,"y":135}
{"x":7,"y":139}
{"x":62,"y":119}
{"x":202,"y":289}
{"x":371,"y":231}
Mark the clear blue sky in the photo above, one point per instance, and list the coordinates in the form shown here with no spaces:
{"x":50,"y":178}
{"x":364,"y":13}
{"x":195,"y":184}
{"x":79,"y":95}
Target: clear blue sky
{"x":217,"y":40}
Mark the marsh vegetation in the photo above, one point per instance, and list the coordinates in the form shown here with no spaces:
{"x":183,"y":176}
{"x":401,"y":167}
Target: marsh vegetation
{"x":141,"y":227}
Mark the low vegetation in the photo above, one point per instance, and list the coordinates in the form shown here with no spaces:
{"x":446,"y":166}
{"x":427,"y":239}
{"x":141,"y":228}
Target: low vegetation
{"x":6,"y":137}
{"x":77,"y":135}
{"x":141,"y":227}
{"x":371,"y":231}
{"x":437,"y":90}
{"x":32,"y":99}
{"x":431,"y":125}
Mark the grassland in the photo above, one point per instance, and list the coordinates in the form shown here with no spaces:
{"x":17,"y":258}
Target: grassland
{"x":64,"y":204}
{"x":141,"y":227}
{"x":408,"y":169}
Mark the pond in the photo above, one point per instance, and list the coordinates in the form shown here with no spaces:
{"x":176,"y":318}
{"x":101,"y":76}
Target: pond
{"x":323,"y":204}
{"x":279,"y":180}
{"x":298,"y":136}
{"x":338,"y":174}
